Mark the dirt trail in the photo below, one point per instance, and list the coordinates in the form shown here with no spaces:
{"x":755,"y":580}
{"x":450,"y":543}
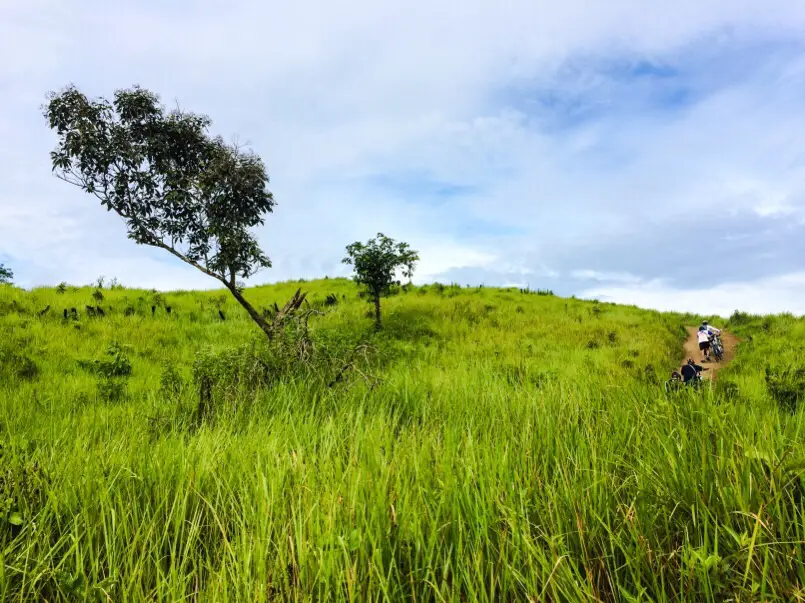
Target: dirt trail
{"x":692,"y":351}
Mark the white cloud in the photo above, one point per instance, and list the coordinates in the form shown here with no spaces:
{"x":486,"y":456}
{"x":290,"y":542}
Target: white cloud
{"x":437,"y":259}
{"x":610,"y":277}
{"x":330,"y":95}
{"x":770,"y":295}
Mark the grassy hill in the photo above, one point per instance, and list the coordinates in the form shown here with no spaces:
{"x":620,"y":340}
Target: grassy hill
{"x":486,"y":445}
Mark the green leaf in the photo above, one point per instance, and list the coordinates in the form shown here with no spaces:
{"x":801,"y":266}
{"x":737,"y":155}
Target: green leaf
{"x":15,"y":518}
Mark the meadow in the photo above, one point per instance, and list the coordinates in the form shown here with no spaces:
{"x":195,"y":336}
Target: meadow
{"x":485,"y":445}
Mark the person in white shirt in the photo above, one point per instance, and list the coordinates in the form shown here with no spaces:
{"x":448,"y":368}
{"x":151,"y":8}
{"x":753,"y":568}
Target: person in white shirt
{"x":703,"y":335}
{"x":711,"y":330}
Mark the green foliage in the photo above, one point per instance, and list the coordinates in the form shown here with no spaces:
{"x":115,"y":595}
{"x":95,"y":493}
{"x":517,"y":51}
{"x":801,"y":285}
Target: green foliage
{"x":171,"y":382}
{"x":61,"y":288}
{"x":116,"y":363}
{"x":97,"y":295}
{"x":111,"y":389}
{"x":23,"y":488}
{"x":376,"y":264}
{"x":112,"y":372}
{"x":165,"y":176}
{"x":786,"y":386}
{"x":6,"y":275}
{"x":175,"y":187}
{"x":233,"y":371}
{"x":468,"y":452}
{"x":16,"y":363}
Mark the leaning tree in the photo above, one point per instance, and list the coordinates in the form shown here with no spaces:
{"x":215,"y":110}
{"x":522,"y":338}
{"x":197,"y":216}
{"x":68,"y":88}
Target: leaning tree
{"x":175,"y":186}
{"x":376,"y":264}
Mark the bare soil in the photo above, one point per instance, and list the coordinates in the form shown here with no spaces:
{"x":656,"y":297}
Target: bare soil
{"x":692,"y":351}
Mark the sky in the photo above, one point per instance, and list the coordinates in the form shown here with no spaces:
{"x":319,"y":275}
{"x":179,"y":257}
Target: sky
{"x":649,"y":153}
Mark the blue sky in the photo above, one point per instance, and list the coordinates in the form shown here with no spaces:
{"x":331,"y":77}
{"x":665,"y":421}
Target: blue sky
{"x":642,"y":153}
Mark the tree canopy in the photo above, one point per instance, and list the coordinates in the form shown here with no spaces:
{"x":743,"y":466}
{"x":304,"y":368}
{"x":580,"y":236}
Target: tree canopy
{"x":376,"y":264}
{"x":6,"y":275}
{"x":175,"y":186}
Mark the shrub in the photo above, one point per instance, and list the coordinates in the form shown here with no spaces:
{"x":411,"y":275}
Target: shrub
{"x":158,"y":300}
{"x":112,"y":390}
{"x":740,"y":318}
{"x":97,"y":295}
{"x":113,"y":372}
{"x":786,"y":386}
{"x":227,"y":378}
{"x":62,"y":288}
{"x":116,"y":364}
{"x":171,"y":382}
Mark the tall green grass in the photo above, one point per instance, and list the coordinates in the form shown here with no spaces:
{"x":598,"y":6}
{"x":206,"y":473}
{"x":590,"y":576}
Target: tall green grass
{"x":496,"y":446}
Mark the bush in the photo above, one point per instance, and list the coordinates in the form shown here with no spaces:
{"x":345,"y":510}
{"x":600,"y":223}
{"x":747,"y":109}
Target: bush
{"x":116,"y":364}
{"x":171,"y":382}
{"x":228,"y":378}
{"x":740,"y":318}
{"x":113,"y":372}
{"x":112,"y":390}
{"x":786,"y":386}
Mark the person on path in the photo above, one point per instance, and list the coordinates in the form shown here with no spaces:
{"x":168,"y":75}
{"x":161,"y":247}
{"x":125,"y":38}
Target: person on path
{"x":703,"y":335}
{"x":711,"y":330}
{"x":691,"y":371}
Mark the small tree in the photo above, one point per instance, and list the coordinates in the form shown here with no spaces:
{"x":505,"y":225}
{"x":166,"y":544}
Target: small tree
{"x":376,"y":264}
{"x":6,"y":275}
{"x":175,"y":186}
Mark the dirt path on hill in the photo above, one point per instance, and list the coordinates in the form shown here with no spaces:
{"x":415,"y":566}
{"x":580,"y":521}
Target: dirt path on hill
{"x":692,"y":351}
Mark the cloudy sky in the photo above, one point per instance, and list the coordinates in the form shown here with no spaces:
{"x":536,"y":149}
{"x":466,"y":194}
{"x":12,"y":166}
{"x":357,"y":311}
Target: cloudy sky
{"x":641,"y":152}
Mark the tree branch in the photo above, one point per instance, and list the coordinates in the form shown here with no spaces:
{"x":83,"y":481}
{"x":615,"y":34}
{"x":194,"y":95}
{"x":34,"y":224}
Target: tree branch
{"x":184,"y":258}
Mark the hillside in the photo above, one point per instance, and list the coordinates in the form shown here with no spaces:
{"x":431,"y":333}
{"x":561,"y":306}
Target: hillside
{"x":486,"y":445}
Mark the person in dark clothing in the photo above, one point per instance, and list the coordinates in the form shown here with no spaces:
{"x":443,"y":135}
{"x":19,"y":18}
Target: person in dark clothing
{"x":691,"y":371}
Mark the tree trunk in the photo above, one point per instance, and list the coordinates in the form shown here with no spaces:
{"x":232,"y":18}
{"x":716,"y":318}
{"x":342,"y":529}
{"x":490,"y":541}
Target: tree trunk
{"x":266,"y":328}
{"x":377,"y":312}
